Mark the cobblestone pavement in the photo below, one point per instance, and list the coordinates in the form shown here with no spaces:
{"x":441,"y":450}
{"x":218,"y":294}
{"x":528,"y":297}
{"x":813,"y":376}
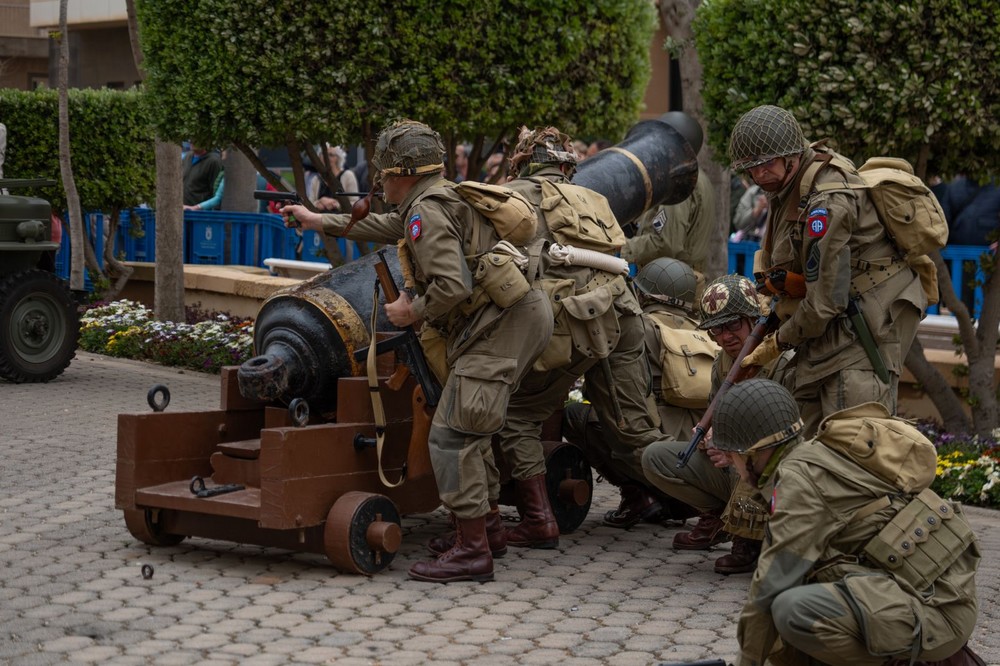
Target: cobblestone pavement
{"x":71,"y":590}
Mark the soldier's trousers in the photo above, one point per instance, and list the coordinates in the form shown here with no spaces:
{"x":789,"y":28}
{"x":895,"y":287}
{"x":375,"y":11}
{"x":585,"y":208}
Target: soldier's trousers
{"x":474,"y":403}
{"x":864,"y":620}
{"x":621,"y":394}
{"x":536,"y":399}
{"x":699,"y":483}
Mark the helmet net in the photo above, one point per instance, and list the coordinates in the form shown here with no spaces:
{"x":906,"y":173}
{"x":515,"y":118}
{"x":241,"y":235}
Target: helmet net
{"x":408,"y":148}
{"x":727,"y":298}
{"x":542,"y":145}
{"x":762,"y":134}
{"x":755,"y":414}
{"x":669,"y":281}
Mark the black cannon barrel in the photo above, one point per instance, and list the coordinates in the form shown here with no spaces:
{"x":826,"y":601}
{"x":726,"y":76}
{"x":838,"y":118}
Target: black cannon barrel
{"x":305,"y":336}
{"x":653,"y":165}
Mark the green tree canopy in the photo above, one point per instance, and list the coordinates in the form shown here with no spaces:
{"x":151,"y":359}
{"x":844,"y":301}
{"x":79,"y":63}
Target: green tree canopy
{"x":917,"y":80}
{"x":261,"y":72}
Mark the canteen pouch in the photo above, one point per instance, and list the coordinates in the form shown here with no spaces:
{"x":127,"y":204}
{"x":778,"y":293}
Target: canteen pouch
{"x":922,"y":541}
{"x":501,"y":279}
{"x":559,"y":350}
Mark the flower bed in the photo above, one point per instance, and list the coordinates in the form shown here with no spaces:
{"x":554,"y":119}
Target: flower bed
{"x":206,"y":342}
{"x":968,"y":467}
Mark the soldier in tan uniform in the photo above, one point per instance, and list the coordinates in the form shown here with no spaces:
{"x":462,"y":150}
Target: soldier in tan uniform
{"x":832,"y":246}
{"x":682,"y":230}
{"x":862,"y":563}
{"x":489,"y":348}
{"x":729,"y":310}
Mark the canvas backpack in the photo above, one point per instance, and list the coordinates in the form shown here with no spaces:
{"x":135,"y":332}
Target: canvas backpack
{"x":686,"y":358}
{"x":580,"y":217}
{"x":513,"y":216}
{"x":910,"y":212}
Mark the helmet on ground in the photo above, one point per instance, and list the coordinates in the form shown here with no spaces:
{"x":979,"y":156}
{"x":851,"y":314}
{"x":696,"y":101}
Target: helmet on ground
{"x":762,"y":134}
{"x":755,"y":414}
{"x":408,"y":148}
{"x":727,"y":298}
{"x":688,"y":127}
{"x":542,"y":145}
{"x":669,"y":281}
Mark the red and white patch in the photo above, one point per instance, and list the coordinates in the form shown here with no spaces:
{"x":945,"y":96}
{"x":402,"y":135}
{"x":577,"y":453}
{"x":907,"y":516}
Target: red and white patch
{"x":414,"y":227}
{"x":817,"y":222}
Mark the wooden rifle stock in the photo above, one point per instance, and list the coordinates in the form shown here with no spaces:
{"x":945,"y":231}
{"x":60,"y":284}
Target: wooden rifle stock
{"x":761,"y":329}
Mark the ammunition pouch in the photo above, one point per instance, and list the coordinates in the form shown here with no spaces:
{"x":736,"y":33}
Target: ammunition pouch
{"x":559,"y":350}
{"x":593,"y":318}
{"x":922,"y":541}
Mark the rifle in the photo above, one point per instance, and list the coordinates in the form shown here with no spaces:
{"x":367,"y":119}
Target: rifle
{"x":762,"y":328}
{"x":407,"y":342}
{"x":283,"y":197}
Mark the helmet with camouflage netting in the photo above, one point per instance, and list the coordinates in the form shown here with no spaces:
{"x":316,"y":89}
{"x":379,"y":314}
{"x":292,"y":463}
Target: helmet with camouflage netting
{"x":407,"y":148}
{"x":755,"y":414}
{"x":762,"y":134}
{"x":542,"y":145}
{"x":669,"y":281}
{"x":727,"y":298}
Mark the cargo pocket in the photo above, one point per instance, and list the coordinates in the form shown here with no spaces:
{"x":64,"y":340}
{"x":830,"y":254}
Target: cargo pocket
{"x":481,"y":393}
{"x":884,"y":612}
{"x":593,"y":322}
{"x":558,"y":351}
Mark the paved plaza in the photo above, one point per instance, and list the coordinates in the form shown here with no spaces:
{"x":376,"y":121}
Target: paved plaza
{"x":72,"y":590}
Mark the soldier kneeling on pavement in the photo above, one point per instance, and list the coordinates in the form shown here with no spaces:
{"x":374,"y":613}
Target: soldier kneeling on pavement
{"x":863,"y":564}
{"x":666,"y":292}
{"x":729,"y":310}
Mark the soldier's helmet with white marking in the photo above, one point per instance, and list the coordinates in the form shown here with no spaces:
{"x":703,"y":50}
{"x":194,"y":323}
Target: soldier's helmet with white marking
{"x":727,"y":298}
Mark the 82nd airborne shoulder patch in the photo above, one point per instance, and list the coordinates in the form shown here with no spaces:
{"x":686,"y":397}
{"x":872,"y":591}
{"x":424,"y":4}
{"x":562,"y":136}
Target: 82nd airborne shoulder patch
{"x":414,"y":227}
{"x":817,"y":222}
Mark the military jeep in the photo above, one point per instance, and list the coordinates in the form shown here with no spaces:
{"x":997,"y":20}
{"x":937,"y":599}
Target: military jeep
{"x":39,"y":322}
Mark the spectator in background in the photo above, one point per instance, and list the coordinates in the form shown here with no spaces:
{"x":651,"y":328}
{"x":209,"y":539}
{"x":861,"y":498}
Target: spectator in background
{"x":360,"y":172}
{"x":3,"y":146}
{"x":750,"y":219}
{"x":495,"y":169}
{"x":200,"y":169}
{"x":215,"y":201}
{"x":343,"y":179}
{"x":972,"y":211}
{"x":461,"y":162}
{"x":596,"y":147}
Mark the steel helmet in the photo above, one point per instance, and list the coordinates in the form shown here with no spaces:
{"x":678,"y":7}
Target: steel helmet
{"x":727,"y":298}
{"x":542,"y":145}
{"x":755,"y":414}
{"x":669,"y":281}
{"x":764,"y":133}
{"x":408,"y":148}
{"x":688,"y":127}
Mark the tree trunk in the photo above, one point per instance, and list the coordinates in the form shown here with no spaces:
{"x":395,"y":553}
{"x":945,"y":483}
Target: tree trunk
{"x":953,"y":416}
{"x":982,"y":366}
{"x":168,"y":285}
{"x":117,"y":272}
{"x":77,"y":237}
{"x":677,"y":16}
{"x":168,"y":289}
{"x":240,"y":182}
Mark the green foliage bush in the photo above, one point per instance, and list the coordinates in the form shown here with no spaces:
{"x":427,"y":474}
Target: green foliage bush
{"x":111,"y":145}
{"x":876,"y":77}
{"x":265,"y":72}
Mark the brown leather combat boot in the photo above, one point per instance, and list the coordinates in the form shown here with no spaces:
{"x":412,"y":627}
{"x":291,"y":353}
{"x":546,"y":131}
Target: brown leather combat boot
{"x":636,"y":504}
{"x":742,"y":559}
{"x":468,"y":559}
{"x":706,"y":533}
{"x":496,"y":535}
{"x":538,"y":527}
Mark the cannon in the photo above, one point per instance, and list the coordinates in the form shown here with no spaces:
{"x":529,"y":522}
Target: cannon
{"x":271,"y":469}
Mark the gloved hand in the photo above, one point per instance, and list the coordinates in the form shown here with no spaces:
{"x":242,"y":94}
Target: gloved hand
{"x":765,"y":352}
{"x":786,"y":307}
